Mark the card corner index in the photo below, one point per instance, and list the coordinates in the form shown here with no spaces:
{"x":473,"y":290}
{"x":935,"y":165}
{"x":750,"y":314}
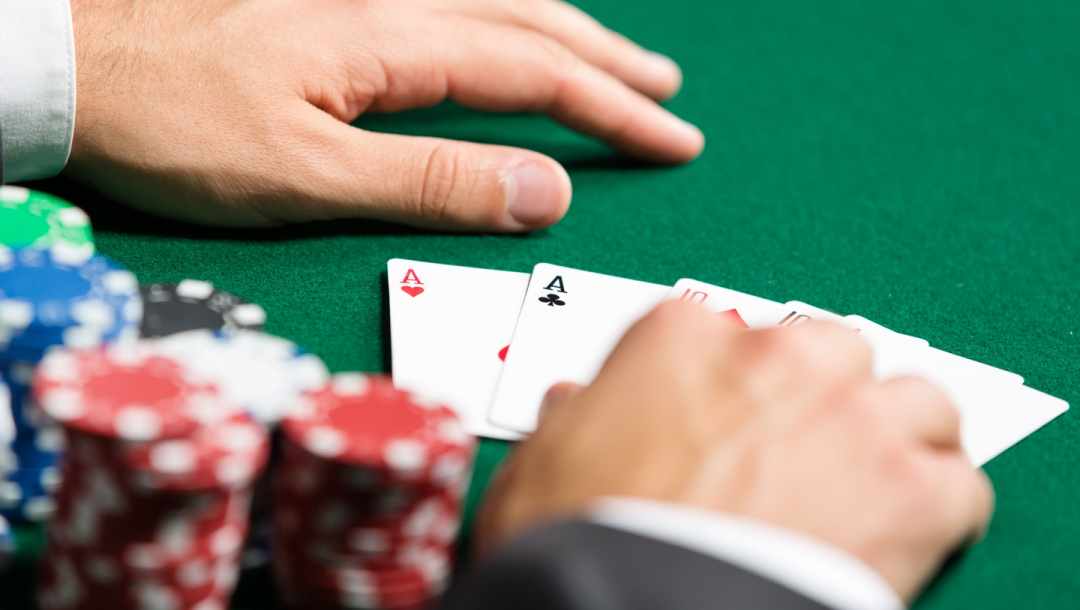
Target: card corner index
{"x":538,"y":267}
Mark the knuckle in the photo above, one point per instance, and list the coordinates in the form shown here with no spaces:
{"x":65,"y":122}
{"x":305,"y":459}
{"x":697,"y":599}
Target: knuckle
{"x":920,"y":389}
{"x":667,"y":313}
{"x":668,"y":324}
{"x":782,"y":348}
{"x":911,"y":390}
{"x":560,"y":61}
{"x":673,"y":315}
{"x":840,"y":338}
{"x":440,"y":173}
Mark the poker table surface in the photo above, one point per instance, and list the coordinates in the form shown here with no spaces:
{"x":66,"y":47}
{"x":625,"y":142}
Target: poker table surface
{"x":916,"y":163}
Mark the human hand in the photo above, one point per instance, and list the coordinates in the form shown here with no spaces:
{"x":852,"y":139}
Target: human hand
{"x":236,"y":112}
{"x":785,"y":426}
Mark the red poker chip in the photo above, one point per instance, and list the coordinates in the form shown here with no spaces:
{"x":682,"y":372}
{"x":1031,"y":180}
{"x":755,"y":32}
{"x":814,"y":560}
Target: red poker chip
{"x":329,"y":529}
{"x":367,"y":421}
{"x":310,"y":599}
{"x":125,"y":391}
{"x":225,"y":456}
{"x":350,"y":578}
{"x":154,"y":507}
{"x":103,"y":584}
{"x":368,"y":497}
{"x":307,"y":475}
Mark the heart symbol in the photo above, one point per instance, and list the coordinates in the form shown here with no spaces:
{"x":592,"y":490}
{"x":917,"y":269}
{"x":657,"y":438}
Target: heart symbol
{"x":733,"y":315}
{"x":412,"y":291}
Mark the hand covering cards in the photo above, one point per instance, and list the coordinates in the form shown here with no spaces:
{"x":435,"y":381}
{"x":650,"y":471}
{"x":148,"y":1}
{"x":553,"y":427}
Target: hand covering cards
{"x":570,"y":321}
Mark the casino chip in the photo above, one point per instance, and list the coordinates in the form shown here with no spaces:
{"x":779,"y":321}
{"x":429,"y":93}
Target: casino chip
{"x":154,"y":503}
{"x":368,"y":497}
{"x":62,"y":295}
{"x":262,"y":373}
{"x":265,"y":375}
{"x":32,"y":218}
{"x":169,"y":309}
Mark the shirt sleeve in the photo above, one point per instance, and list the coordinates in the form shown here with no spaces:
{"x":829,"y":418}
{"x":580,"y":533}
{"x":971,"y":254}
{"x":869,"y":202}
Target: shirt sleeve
{"x":37,"y":87}
{"x":809,"y":567}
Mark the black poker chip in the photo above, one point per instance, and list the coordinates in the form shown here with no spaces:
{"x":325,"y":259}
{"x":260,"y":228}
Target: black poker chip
{"x":195,"y":305}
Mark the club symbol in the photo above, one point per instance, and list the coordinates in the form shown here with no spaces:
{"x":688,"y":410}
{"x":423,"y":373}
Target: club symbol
{"x":552,"y":300}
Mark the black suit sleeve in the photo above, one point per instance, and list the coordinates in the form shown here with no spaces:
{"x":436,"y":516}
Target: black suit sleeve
{"x":577,"y":565}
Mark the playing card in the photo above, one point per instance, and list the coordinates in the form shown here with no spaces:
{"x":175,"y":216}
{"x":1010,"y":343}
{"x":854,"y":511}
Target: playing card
{"x":868,"y":327}
{"x":996,"y":411}
{"x":799,"y":311}
{"x":756,"y":312}
{"x":570,"y":321}
{"x":449,"y":328}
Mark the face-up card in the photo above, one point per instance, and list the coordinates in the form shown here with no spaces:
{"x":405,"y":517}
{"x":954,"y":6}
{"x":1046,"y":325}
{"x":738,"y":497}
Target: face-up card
{"x":869,"y":327}
{"x":996,"y":416}
{"x":570,"y":321}
{"x":800,"y":311}
{"x":449,"y":329}
{"x":756,"y":312}
{"x":996,"y":411}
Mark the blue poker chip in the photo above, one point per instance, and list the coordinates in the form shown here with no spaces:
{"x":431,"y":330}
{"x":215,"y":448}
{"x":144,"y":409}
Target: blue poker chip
{"x":29,"y":461}
{"x":63,"y":296}
{"x":7,"y":542}
{"x":26,"y":494}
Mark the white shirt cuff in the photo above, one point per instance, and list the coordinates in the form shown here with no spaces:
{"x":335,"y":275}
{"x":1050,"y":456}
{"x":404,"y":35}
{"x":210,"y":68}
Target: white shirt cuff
{"x":37,"y":81}
{"x":811,"y":568}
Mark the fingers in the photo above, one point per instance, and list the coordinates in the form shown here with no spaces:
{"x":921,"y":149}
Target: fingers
{"x":920,"y":409}
{"x":785,"y":366}
{"x":433,"y":183}
{"x":966,"y":498}
{"x":652,"y":74}
{"x":673,"y":333}
{"x":491,"y":66}
{"x":556,"y":396}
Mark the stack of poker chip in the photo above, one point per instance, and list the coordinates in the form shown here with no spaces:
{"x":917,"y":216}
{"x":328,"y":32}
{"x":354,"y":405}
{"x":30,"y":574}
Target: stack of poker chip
{"x":368,"y":497}
{"x":264,"y":374}
{"x":32,"y":218}
{"x":154,"y":503}
{"x":257,"y":371}
{"x":63,"y":295}
{"x":7,"y":435}
{"x":169,"y":309}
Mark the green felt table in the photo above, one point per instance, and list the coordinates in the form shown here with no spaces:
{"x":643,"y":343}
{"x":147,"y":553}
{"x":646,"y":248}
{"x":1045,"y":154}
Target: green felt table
{"x":914,"y":162}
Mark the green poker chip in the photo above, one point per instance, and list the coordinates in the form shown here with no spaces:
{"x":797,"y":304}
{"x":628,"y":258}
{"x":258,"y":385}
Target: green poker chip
{"x":32,"y":218}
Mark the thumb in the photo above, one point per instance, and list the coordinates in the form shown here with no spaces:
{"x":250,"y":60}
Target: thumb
{"x":437,"y":183}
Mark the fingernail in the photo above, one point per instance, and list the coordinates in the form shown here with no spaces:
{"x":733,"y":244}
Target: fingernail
{"x":663,"y":64}
{"x":535,"y":192}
